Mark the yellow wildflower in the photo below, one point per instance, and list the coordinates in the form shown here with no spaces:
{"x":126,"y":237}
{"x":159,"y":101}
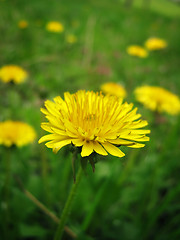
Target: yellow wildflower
{"x":113,"y":89}
{"x":158,"y":99}
{"x":137,"y":51}
{"x":16,"y":133}
{"x":93,"y":122}
{"x":22,"y":24}
{"x":155,"y":44}
{"x":13,"y":73}
{"x":55,"y":26}
{"x":70,"y":38}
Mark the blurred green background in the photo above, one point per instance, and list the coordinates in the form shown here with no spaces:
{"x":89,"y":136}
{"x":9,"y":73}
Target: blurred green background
{"x":135,"y":197}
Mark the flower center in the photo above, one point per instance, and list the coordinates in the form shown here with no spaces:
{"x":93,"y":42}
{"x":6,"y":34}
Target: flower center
{"x":90,"y":117}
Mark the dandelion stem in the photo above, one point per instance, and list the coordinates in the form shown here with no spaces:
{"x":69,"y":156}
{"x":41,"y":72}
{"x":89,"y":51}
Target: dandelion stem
{"x":68,"y":205}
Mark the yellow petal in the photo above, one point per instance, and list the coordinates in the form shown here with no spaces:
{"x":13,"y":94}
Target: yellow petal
{"x":99,"y":149}
{"x":58,"y":100}
{"x":59,"y":145}
{"x":134,"y":137}
{"x":70,"y":134}
{"x":70,"y":127}
{"x":43,"y":110}
{"x":51,"y":107}
{"x":53,"y":120}
{"x":130,"y":132}
{"x":46,"y":138}
{"x":113,"y":150}
{"x":77,"y":142}
{"x":140,"y":131}
{"x":50,"y":144}
{"x":136,"y":145}
{"x":120,"y":142}
{"x":59,"y":131}
{"x":46,"y":127}
{"x":132,"y":116}
{"x":87,"y":149}
{"x":54,"y":137}
{"x":139,"y":124}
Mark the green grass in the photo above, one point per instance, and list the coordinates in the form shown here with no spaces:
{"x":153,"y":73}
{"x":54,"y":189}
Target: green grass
{"x":164,"y":7}
{"x":136,"y":197}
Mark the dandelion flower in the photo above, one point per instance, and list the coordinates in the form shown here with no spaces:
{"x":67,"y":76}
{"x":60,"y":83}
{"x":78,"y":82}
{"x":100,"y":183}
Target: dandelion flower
{"x":92,"y":122}
{"x":13,"y":73}
{"x":55,"y":27}
{"x":113,"y":89}
{"x":22,"y":24}
{"x":137,"y":51}
{"x":70,"y":38}
{"x":158,"y":99}
{"x":16,"y":133}
{"x":155,"y":44}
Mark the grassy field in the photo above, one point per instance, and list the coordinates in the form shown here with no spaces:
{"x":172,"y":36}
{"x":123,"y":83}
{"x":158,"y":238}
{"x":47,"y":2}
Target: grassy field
{"x":129,"y":198}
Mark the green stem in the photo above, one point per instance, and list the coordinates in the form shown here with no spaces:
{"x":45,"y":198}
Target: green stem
{"x":68,"y":205}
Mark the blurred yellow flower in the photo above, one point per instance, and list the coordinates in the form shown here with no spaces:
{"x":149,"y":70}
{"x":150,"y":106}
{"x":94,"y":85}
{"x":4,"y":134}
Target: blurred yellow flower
{"x":55,"y":26}
{"x":158,"y":99}
{"x":16,"y":133}
{"x":137,"y":51}
{"x":155,"y":44}
{"x":113,"y":89}
{"x":92,"y":122}
{"x":70,"y":38}
{"x":22,"y":24}
{"x":13,"y":73}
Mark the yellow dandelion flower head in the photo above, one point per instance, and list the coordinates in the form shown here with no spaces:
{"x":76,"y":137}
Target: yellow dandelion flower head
{"x":137,"y":51}
{"x":158,"y":99}
{"x":70,"y":38}
{"x":13,"y":73}
{"x":16,"y":133}
{"x":23,"y":24}
{"x":113,"y":89}
{"x":55,"y":26}
{"x":93,"y":122}
{"x":155,"y":44}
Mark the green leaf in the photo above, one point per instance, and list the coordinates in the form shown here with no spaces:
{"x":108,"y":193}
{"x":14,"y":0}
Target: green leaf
{"x":32,"y":230}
